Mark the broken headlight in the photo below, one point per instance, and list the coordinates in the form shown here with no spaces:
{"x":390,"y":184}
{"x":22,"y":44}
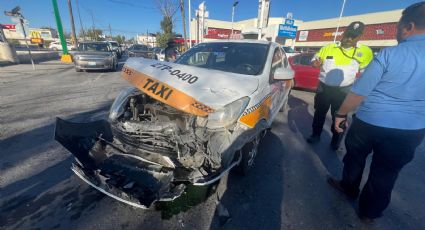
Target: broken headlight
{"x":117,"y":107}
{"x":228,"y":115}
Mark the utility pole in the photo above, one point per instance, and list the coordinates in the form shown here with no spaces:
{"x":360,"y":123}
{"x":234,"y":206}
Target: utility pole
{"x":110,"y":31}
{"x":81,"y":22}
{"x":65,"y":55}
{"x":190,"y":26}
{"x":16,"y":12}
{"x":93,"y":27}
{"x":235,"y":3}
{"x":71,"y":16}
{"x":184,"y":22}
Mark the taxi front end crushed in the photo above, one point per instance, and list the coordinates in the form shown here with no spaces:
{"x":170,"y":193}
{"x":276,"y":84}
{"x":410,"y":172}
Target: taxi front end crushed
{"x":148,"y":151}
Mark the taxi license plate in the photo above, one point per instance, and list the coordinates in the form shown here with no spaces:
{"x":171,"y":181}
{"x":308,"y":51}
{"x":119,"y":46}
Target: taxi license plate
{"x":92,"y":63}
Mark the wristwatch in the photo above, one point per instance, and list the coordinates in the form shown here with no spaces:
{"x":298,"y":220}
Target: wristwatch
{"x":340,"y":115}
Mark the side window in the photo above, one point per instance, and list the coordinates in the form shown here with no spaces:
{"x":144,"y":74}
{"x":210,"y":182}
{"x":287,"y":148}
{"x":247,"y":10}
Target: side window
{"x":199,"y":59}
{"x":285,"y":59}
{"x":305,"y":60}
{"x":276,"y":63}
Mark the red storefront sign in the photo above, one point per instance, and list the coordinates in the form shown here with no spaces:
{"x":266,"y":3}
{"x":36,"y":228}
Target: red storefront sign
{"x":8,"y":26}
{"x":385,"y":31}
{"x":216,"y":33}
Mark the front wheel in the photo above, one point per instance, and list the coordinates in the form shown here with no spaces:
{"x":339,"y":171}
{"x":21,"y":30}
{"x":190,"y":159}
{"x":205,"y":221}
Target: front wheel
{"x":249,"y":152}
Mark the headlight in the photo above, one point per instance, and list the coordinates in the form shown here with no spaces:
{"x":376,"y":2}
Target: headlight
{"x":228,"y":115}
{"x":117,"y":107}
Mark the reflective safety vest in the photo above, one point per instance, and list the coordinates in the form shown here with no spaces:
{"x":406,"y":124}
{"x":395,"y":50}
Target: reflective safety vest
{"x":340,"y":66}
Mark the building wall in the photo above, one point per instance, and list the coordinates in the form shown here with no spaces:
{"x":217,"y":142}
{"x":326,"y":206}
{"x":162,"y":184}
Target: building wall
{"x":386,"y":31}
{"x":380,"y":30}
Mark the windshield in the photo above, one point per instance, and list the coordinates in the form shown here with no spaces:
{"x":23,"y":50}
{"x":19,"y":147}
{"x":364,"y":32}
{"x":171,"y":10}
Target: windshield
{"x":114,"y":44}
{"x":140,"y":47}
{"x":102,"y":47}
{"x":242,"y":58}
{"x":288,"y":49}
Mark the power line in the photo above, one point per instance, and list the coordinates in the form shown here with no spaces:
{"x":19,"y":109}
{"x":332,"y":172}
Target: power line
{"x":121,"y":2}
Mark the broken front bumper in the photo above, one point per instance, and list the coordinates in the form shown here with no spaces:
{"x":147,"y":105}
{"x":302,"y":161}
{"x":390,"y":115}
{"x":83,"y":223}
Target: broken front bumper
{"x":133,"y":176}
{"x":123,"y":176}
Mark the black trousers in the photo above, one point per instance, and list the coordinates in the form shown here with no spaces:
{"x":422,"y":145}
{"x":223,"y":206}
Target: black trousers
{"x":392,"y":150}
{"x":327,"y":96}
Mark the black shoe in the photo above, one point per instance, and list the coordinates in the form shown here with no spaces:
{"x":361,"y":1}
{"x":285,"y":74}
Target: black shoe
{"x":336,"y":184}
{"x":313,"y":139}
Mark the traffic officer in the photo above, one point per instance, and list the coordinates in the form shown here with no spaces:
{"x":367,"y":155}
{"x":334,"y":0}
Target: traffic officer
{"x":339,"y":63}
{"x":390,"y":118}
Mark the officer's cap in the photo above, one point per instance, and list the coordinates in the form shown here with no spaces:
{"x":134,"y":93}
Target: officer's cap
{"x":354,"y":30}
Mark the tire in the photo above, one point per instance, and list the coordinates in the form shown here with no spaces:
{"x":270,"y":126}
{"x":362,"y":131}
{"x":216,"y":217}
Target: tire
{"x":114,"y":67}
{"x":249,"y":151}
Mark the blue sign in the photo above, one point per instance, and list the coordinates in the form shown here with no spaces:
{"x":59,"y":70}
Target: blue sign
{"x":289,"y":22}
{"x":287,"y":31}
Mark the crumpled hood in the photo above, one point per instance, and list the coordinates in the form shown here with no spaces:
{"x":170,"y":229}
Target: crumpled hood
{"x":212,"y":88}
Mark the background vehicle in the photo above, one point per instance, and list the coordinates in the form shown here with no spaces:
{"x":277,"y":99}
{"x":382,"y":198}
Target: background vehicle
{"x":289,"y":51}
{"x":116,"y":48}
{"x":160,"y":55}
{"x":306,"y":76}
{"x":187,"y":122}
{"x":95,"y":55}
{"x":58,"y":46}
{"x":138,"y":50}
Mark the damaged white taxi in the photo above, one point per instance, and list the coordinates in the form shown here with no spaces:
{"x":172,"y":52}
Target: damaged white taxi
{"x":187,"y":122}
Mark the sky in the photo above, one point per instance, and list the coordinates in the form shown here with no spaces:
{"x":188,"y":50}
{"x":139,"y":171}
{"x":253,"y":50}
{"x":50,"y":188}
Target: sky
{"x":131,"y":17}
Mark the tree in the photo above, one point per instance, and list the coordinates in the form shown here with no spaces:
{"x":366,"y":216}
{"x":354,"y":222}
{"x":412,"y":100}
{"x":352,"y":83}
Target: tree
{"x":119,"y":38}
{"x":96,"y":34}
{"x":168,"y":9}
{"x":167,"y":32}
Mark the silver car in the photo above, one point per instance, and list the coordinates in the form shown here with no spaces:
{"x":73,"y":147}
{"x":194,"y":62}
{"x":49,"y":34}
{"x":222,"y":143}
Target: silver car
{"x":95,"y":56}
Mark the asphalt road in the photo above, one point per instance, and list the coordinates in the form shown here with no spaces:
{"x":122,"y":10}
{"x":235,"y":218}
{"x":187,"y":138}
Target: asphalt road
{"x":285,"y":190}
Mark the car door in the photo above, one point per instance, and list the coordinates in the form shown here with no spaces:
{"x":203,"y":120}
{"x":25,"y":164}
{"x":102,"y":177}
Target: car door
{"x":306,"y":76}
{"x":279,"y":89}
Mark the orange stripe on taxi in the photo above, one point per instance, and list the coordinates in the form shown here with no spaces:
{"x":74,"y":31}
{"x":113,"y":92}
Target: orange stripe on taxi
{"x":165,"y":93}
{"x":257,"y":112}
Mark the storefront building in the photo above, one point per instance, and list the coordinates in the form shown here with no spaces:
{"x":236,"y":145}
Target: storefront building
{"x":380,"y":30}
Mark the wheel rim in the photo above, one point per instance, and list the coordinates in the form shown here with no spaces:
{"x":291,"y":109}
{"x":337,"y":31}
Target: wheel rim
{"x":253,"y":151}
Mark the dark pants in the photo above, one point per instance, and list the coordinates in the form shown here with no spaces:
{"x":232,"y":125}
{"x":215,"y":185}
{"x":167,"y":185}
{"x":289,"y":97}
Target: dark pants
{"x":327,"y":96}
{"x":392,"y":149}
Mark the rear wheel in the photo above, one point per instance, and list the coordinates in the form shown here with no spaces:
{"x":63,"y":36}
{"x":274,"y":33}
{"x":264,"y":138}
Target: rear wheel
{"x":249,"y":152}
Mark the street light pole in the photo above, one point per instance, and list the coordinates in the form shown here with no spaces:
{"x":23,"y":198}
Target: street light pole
{"x":235,"y":3}
{"x":339,"y":21}
{"x":190,"y":26}
{"x":21,"y":20}
{"x":16,"y":12}
{"x":65,"y":55}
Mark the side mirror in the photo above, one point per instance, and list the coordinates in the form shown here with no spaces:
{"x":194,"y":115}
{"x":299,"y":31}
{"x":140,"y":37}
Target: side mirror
{"x":283,"y":74}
